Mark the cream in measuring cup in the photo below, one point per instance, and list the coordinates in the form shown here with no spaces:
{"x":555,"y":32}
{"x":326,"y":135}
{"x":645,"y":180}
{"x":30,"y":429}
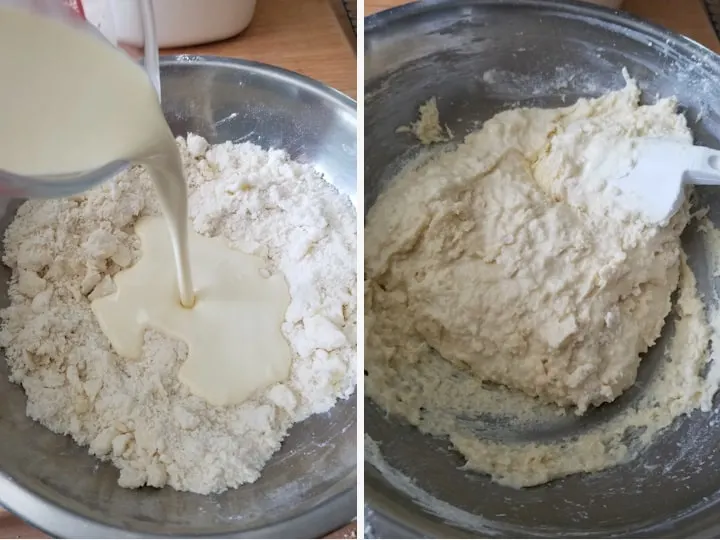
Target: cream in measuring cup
{"x":72,"y":103}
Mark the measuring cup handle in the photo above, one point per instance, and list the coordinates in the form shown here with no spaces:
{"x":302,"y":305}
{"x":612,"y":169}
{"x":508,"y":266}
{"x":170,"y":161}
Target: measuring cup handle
{"x":151,"y":53}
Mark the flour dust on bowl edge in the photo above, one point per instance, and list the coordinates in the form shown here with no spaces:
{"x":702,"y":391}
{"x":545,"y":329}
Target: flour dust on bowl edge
{"x":479,"y":58}
{"x":308,"y":487}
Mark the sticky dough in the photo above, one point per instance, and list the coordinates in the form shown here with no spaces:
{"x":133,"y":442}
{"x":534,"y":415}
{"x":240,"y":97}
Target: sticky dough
{"x":508,"y":258}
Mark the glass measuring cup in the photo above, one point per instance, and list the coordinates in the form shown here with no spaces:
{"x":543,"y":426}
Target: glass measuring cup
{"x":72,"y":12}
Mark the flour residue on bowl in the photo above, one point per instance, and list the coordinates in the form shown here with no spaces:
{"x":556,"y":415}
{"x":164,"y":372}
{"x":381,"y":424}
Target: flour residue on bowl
{"x":402,"y":482}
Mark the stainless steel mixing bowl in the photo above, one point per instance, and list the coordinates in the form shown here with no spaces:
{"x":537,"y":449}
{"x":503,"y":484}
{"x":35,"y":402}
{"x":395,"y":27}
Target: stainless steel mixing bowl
{"x":308,"y":488}
{"x":480,"y":57}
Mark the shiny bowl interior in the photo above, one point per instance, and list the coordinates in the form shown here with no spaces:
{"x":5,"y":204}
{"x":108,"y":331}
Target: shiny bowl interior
{"x":478,"y":58}
{"x":308,"y":488}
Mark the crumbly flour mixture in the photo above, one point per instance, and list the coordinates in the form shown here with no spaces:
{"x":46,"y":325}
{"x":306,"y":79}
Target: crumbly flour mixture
{"x":427,"y":127}
{"x":63,"y":253}
{"x":502,"y":280}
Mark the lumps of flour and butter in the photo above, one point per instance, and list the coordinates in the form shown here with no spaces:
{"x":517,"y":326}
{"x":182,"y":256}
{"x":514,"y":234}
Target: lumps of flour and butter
{"x":136,"y":413}
{"x":501,"y":261}
{"x":427,"y":127}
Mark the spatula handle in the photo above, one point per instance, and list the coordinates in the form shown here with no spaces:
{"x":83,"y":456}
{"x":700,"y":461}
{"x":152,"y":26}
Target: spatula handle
{"x":703,"y":166}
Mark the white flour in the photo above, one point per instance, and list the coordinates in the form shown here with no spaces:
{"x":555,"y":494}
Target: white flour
{"x":135,"y":413}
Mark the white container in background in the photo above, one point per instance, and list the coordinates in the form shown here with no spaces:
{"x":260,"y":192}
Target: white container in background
{"x":179,"y":23}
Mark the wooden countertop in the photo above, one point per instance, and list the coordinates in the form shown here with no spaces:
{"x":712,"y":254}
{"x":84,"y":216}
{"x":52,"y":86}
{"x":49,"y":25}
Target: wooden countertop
{"x":302,"y":36}
{"x":684,"y":16}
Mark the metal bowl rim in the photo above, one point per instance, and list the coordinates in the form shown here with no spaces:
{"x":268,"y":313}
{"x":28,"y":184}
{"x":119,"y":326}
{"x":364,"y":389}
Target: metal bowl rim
{"x":48,"y":188}
{"x":275,"y":72}
{"x":412,"y":520}
{"x":323,"y":518}
{"x":382,"y":20}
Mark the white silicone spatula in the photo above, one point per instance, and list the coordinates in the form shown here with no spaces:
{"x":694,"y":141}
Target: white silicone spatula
{"x":653,"y":186}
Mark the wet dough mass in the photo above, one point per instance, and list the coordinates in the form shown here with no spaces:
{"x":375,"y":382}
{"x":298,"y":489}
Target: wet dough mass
{"x":508,"y":258}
